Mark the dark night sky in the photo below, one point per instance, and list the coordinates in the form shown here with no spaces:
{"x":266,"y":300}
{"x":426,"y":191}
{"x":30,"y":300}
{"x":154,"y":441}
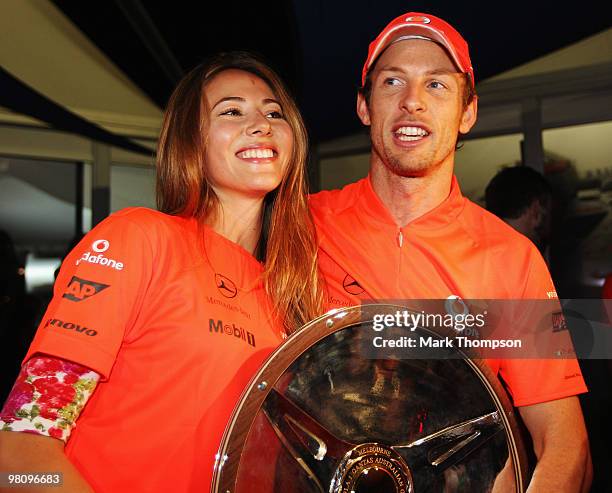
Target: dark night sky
{"x":319,"y":46}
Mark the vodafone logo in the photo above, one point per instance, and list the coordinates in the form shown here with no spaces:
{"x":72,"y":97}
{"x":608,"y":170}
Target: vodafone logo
{"x":418,"y":18}
{"x":100,"y":246}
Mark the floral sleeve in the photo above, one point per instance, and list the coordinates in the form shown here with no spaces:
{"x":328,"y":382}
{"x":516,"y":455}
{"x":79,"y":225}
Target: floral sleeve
{"x":48,"y":397}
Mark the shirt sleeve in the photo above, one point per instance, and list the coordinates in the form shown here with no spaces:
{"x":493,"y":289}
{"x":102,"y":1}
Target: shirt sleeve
{"x":97,"y":295}
{"x":48,"y":397}
{"x":532,"y":381}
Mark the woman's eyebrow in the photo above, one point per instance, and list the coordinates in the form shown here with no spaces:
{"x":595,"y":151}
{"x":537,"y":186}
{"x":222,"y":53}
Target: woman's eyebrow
{"x":271,"y":100}
{"x":242,"y":100}
{"x":229,"y":98}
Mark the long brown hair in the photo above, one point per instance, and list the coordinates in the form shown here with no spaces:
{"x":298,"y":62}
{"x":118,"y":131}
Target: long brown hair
{"x":287,"y":243}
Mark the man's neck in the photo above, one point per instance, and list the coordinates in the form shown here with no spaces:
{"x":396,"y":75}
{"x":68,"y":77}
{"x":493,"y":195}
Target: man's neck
{"x":408,"y":198}
{"x":239,"y":220}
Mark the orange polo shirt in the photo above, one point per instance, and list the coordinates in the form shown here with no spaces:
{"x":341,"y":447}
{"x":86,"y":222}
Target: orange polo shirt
{"x":176,"y":321}
{"x":457,"y":249}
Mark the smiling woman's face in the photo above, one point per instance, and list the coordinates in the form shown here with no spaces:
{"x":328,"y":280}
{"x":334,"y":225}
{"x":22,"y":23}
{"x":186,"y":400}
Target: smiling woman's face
{"x":248,"y":141}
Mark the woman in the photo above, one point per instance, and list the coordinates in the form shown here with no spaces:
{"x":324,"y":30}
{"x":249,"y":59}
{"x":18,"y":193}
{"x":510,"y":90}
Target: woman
{"x":159,"y":319}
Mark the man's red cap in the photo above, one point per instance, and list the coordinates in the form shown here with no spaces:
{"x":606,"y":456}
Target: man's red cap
{"x":419,"y":26}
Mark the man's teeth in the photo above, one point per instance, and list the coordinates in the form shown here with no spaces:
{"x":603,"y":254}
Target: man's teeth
{"x":411,"y":133}
{"x":256,"y":153}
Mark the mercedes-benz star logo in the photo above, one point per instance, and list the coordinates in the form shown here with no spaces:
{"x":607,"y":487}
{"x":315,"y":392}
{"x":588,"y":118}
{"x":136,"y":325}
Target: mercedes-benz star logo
{"x":226,"y":286}
{"x":351,"y":286}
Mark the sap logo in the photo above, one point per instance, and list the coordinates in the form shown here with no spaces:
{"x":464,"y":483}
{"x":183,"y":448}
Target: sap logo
{"x":558,"y":322}
{"x":79,"y":289}
{"x":71,"y":326}
{"x":100,"y":246}
{"x":231,"y":330}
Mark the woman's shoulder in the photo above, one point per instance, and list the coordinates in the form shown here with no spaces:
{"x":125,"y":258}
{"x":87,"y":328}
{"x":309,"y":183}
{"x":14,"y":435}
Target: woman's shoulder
{"x":144,"y":216}
{"x":145,"y":227}
{"x":149,"y":221}
{"x":141,"y":233}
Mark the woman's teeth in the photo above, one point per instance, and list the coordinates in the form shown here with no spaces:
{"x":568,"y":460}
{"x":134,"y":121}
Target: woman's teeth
{"x":256,"y":153}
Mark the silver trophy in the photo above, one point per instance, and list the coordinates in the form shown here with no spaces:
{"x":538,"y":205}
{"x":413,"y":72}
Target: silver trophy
{"x":323,"y":415}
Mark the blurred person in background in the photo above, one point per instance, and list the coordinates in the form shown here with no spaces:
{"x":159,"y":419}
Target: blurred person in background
{"x":522,"y":198}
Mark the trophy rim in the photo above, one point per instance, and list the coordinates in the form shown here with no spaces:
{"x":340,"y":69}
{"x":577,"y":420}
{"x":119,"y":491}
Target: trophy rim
{"x":227,"y":461}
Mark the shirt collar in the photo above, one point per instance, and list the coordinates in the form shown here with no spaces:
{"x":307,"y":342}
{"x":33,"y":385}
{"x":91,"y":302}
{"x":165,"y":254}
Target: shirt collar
{"x":440,"y":216}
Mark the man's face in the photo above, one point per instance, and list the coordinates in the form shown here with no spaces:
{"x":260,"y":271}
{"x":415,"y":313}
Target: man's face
{"x":416,"y":108}
{"x":542,"y":223}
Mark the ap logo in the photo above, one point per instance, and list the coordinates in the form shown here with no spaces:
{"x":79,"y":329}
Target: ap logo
{"x":80,"y":289}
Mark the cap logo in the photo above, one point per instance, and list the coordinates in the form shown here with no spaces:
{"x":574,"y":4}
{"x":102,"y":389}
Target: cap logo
{"x":418,"y":18}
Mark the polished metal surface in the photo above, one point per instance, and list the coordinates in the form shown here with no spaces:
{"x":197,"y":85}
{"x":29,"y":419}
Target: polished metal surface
{"x":333,"y":420}
{"x":372,"y":466}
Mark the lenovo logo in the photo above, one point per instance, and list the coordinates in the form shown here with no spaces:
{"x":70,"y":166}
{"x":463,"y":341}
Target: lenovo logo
{"x":56,"y":322}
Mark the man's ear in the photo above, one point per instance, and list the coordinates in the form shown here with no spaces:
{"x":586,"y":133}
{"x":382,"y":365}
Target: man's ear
{"x":362,"y":109}
{"x":468,"y":118}
{"x":534,"y":214}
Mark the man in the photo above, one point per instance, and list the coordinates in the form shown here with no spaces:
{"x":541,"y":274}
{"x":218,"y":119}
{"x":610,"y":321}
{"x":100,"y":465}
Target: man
{"x":522,"y":198}
{"x":405,"y":231}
